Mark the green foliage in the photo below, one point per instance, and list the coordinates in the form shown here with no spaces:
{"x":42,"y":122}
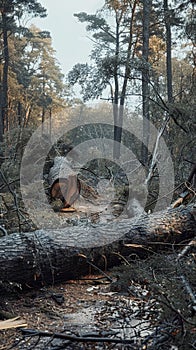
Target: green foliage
{"x":18,"y":8}
{"x":89,"y":79}
{"x":95,"y":22}
{"x":38,"y":81}
{"x":116,"y":56}
{"x":34,"y":77}
{"x":113,"y":50}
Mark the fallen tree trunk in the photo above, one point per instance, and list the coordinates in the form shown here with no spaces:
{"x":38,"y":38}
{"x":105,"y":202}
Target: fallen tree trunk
{"x":51,"y":256}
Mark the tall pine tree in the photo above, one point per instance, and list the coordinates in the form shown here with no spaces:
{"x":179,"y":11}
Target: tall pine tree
{"x":11,"y":12}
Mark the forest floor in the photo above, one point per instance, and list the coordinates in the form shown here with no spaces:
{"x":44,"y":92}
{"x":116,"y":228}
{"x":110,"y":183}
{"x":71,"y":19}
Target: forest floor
{"x":142,"y":304}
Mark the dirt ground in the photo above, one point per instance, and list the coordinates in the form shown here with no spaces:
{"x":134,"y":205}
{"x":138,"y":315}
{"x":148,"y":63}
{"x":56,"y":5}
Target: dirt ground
{"x":140,"y":305}
{"x":89,"y":307}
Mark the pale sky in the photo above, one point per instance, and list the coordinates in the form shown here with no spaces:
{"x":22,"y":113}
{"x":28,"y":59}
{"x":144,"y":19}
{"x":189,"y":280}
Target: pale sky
{"x":69,"y":36}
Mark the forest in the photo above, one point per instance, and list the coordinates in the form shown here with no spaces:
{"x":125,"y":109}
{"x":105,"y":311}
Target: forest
{"x":98,"y":180}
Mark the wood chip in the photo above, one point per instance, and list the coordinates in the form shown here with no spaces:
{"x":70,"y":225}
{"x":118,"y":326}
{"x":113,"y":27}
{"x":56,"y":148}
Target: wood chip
{"x":12,"y":323}
{"x":68,"y":210}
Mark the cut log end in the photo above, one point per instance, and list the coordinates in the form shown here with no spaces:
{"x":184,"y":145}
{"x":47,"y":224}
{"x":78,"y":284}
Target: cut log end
{"x":67,"y":190}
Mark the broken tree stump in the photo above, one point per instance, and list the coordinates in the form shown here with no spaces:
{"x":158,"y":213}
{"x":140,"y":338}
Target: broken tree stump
{"x":52,"y":256}
{"x":63,"y":182}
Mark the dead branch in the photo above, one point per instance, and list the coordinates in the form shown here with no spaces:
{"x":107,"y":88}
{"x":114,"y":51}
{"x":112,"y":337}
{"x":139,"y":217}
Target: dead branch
{"x":74,"y":338}
{"x":186,"y":249}
{"x":189,"y":291}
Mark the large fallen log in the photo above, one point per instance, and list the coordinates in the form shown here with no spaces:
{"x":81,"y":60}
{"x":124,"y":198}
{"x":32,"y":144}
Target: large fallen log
{"x":49,"y":256}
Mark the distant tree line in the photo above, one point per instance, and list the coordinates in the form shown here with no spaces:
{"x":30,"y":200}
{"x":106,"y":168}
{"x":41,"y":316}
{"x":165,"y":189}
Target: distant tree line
{"x":30,"y":77}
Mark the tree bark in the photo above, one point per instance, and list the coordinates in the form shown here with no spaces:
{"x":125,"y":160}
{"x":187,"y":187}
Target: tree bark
{"x":41,"y":257}
{"x":168,"y":51}
{"x":5,"y":72}
{"x":145,"y":80}
{"x":4,"y":87}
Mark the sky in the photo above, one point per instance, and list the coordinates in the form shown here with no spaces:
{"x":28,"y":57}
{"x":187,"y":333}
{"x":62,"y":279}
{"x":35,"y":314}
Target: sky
{"x":69,"y":37}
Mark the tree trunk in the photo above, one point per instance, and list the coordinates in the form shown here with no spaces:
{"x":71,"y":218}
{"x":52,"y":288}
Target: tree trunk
{"x":52,"y":256}
{"x":168,"y":52}
{"x":116,"y":146}
{"x":120,"y":96}
{"x":4,"y":87}
{"x":28,"y":110}
{"x":145,"y":80}
{"x":5,"y":72}
{"x":43,"y":119}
